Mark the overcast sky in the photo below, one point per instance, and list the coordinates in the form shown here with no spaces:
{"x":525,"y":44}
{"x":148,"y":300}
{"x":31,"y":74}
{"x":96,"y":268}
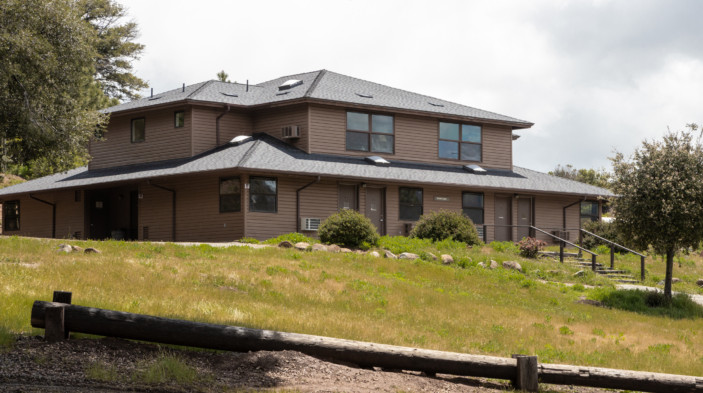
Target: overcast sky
{"x":594,"y":76}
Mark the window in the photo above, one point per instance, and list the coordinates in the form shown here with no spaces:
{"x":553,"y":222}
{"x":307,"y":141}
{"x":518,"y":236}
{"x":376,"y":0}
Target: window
{"x":230,"y":195}
{"x":589,"y":212}
{"x":138,"y":132}
{"x":410,"y":201}
{"x":263,"y":194}
{"x":472,"y":206}
{"x":11,"y":216}
{"x":367,"y":132}
{"x":179,"y":119}
{"x":460,"y":141}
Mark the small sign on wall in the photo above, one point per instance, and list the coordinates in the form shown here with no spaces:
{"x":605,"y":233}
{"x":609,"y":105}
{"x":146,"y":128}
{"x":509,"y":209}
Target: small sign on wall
{"x":441,"y":198}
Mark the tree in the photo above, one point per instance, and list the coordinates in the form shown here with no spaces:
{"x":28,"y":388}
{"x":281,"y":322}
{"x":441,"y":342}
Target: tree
{"x":222,"y":76}
{"x":660,"y":196}
{"x":596,"y":177}
{"x":47,"y":91}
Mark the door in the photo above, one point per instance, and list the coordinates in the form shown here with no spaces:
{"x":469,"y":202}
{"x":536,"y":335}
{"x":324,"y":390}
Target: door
{"x":503,"y":219}
{"x":524,"y":217}
{"x":376,"y":208}
{"x":98,"y":211}
{"x":348,"y":197}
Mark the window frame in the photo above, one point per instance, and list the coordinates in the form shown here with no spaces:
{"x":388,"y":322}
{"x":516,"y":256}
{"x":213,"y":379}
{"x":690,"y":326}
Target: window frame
{"x":401,"y":204}
{"x":175,"y":119}
{"x":459,"y":141}
{"x":132,"y":135}
{"x":251,"y":195}
{"x":482,"y":208}
{"x":369,"y":133}
{"x":6,"y":217}
{"x":591,"y":217}
{"x":239,"y":207}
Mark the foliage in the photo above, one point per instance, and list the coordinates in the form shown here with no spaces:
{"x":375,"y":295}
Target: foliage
{"x":446,"y":224}
{"x":604,"y":229}
{"x":249,"y":240}
{"x":660,"y":196}
{"x":400,"y":244}
{"x":349,"y":228}
{"x":293,"y":237}
{"x":166,"y":368}
{"x":505,"y":246}
{"x":650,"y":303}
{"x":222,"y":76}
{"x":596,"y":177}
{"x":529,"y":247}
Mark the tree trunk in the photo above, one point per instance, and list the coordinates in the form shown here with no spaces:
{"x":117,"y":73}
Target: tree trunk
{"x":669,"y":274}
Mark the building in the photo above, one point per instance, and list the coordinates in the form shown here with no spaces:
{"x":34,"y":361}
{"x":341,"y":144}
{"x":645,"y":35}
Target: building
{"x":219,"y":161}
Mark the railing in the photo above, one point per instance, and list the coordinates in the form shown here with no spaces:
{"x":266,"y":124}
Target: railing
{"x":561,"y":247}
{"x":612,"y":251}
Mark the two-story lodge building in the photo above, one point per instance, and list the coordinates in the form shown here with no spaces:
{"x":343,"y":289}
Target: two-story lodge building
{"x":219,"y":161}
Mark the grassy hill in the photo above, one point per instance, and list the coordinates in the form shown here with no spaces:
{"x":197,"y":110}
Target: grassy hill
{"x":461,"y":308}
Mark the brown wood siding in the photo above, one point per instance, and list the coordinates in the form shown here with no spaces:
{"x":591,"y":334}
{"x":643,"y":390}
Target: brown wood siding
{"x":232,"y":123}
{"x":549,"y":215}
{"x":35,"y":216}
{"x":416,"y":139}
{"x":318,"y":201}
{"x":271,"y":121}
{"x":267,"y":225}
{"x":162,"y":140}
{"x":70,"y":214}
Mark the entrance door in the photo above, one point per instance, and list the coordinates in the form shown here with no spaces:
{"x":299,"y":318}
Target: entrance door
{"x":376,"y":208}
{"x":503,"y":219}
{"x":99,"y":217}
{"x":524,"y":217}
{"x":348,"y":197}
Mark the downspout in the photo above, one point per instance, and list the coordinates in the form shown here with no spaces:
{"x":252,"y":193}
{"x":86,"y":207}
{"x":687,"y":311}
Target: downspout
{"x":217,"y":125}
{"x":297,"y":202}
{"x":568,"y":206}
{"x":53,"y":214}
{"x":173,"y":205}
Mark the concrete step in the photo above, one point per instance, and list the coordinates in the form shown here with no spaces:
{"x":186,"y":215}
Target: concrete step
{"x":627,"y":281}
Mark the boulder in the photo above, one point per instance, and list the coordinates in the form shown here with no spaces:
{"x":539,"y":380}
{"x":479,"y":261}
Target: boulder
{"x":493,"y":265}
{"x":481,"y":264}
{"x":64,"y":248}
{"x":302,"y":246}
{"x":447,"y":259}
{"x":374,"y":254}
{"x":390,"y":255}
{"x":333,"y":248}
{"x":77,"y":249}
{"x":674,"y":280}
{"x":319,"y":247}
{"x":512,"y":265}
{"x":91,"y":250}
{"x":408,"y":255}
{"x":699,"y":282}
{"x":285,"y":244}
{"x":345,"y":250}
{"x":432,"y":256}
{"x":579,"y":273}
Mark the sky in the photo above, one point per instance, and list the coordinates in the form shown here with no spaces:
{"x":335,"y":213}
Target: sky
{"x":595,"y":77}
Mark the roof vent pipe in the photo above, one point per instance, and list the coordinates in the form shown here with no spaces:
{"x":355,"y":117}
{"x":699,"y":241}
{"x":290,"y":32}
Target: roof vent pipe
{"x":247,"y":85}
{"x":184,"y":88}
{"x":152,"y":92}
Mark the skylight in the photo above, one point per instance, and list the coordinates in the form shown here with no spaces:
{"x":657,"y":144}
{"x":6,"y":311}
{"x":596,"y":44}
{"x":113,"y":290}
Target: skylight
{"x":240,"y":139}
{"x":289,"y":84}
{"x":282,"y":93}
{"x":435,"y":104}
{"x":154,"y":98}
{"x":229,"y":94}
{"x":365,"y":95}
{"x":376,"y":160}
{"x":473,"y":168}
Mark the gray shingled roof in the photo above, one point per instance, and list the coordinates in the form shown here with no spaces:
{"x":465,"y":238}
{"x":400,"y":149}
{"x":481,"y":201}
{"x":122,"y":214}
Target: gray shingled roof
{"x":318,"y":85}
{"x":265,"y":153}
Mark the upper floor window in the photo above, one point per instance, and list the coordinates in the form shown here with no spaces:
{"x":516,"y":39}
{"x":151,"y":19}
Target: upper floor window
{"x":230,"y":195}
{"x":472,"y":206}
{"x":263,"y":194}
{"x":179,"y":119}
{"x":460,"y":141}
{"x":367,"y":132}
{"x":11,"y":215}
{"x":589,"y":212}
{"x":138,"y":130}
{"x":410,"y":202}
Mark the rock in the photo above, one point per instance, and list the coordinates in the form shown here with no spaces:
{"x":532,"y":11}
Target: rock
{"x":481,"y":264}
{"x":302,"y":246}
{"x":285,"y":244}
{"x":512,"y":265}
{"x":579,"y":273}
{"x":447,"y":259}
{"x":333,"y":248}
{"x":390,"y":255}
{"x":432,"y":256}
{"x":674,"y":280}
{"x":493,"y":265}
{"x":408,"y":255}
{"x":91,"y":250}
{"x":699,"y":282}
{"x":374,"y":254}
{"x":64,"y":248}
{"x":77,"y":249}
{"x":319,"y":247}
{"x":345,"y":250}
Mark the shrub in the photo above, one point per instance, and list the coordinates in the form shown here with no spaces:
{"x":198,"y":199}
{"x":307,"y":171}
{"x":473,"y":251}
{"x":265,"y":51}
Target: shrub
{"x":605,"y":230}
{"x":293,"y":237}
{"x":348,"y":228}
{"x":249,"y":240}
{"x":445,"y":224}
{"x":529,"y":247}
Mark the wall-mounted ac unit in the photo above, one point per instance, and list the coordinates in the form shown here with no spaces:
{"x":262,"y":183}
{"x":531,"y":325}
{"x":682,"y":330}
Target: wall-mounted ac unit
{"x":289,"y":132}
{"x":309,"y":224}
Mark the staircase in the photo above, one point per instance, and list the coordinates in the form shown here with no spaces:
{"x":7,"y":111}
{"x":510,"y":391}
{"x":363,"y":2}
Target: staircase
{"x":621,"y":276}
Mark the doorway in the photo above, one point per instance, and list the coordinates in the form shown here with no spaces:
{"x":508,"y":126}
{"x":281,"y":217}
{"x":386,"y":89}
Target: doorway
{"x":376,"y":208}
{"x":112,"y":213}
{"x":524,"y":217}
{"x":503,"y":219}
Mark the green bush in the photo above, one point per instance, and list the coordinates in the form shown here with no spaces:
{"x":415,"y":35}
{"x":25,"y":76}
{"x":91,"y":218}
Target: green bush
{"x":293,"y":237}
{"x":529,"y":246}
{"x":348,"y":228}
{"x":605,"y":230}
{"x":445,"y":224}
{"x":650,"y":303}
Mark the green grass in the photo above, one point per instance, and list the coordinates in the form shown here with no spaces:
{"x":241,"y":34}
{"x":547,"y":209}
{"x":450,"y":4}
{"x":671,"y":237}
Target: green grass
{"x":650,"y":303}
{"x":102,"y":372}
{"x":166,"y":368}
{"x":421,"y":303}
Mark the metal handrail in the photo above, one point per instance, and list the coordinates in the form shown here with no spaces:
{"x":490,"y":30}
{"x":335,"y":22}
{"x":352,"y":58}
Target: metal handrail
{"x":612,"y":252}
{"x":611,"y":242}
{"x":561,"y":247}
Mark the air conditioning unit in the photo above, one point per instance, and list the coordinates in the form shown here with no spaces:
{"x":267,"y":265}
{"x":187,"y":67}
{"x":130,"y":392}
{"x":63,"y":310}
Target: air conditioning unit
{"x":290,"y":132}
{"x":309,"y":224}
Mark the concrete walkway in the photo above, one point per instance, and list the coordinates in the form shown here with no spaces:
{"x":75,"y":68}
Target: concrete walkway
{"x":220,"y":245}
{"x":696,"y":298}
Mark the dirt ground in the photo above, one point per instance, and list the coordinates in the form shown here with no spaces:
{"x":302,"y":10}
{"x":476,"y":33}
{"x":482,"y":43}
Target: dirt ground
{"x":33,"y":365}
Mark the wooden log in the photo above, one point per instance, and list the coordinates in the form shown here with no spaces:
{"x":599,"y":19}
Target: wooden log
{"x":54,"y":323}
{"x":232,"y":338}
{"x":619,"y":379}
{"x":63,"y":297}
{"x":526,"y":378}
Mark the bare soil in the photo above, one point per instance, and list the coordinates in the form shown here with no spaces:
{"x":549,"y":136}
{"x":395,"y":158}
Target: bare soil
{"x":34,"y":365}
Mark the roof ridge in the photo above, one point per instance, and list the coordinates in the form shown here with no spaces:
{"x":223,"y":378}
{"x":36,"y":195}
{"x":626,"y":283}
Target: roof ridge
{"x":199,"y":88}
{"x":313,"y":85}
